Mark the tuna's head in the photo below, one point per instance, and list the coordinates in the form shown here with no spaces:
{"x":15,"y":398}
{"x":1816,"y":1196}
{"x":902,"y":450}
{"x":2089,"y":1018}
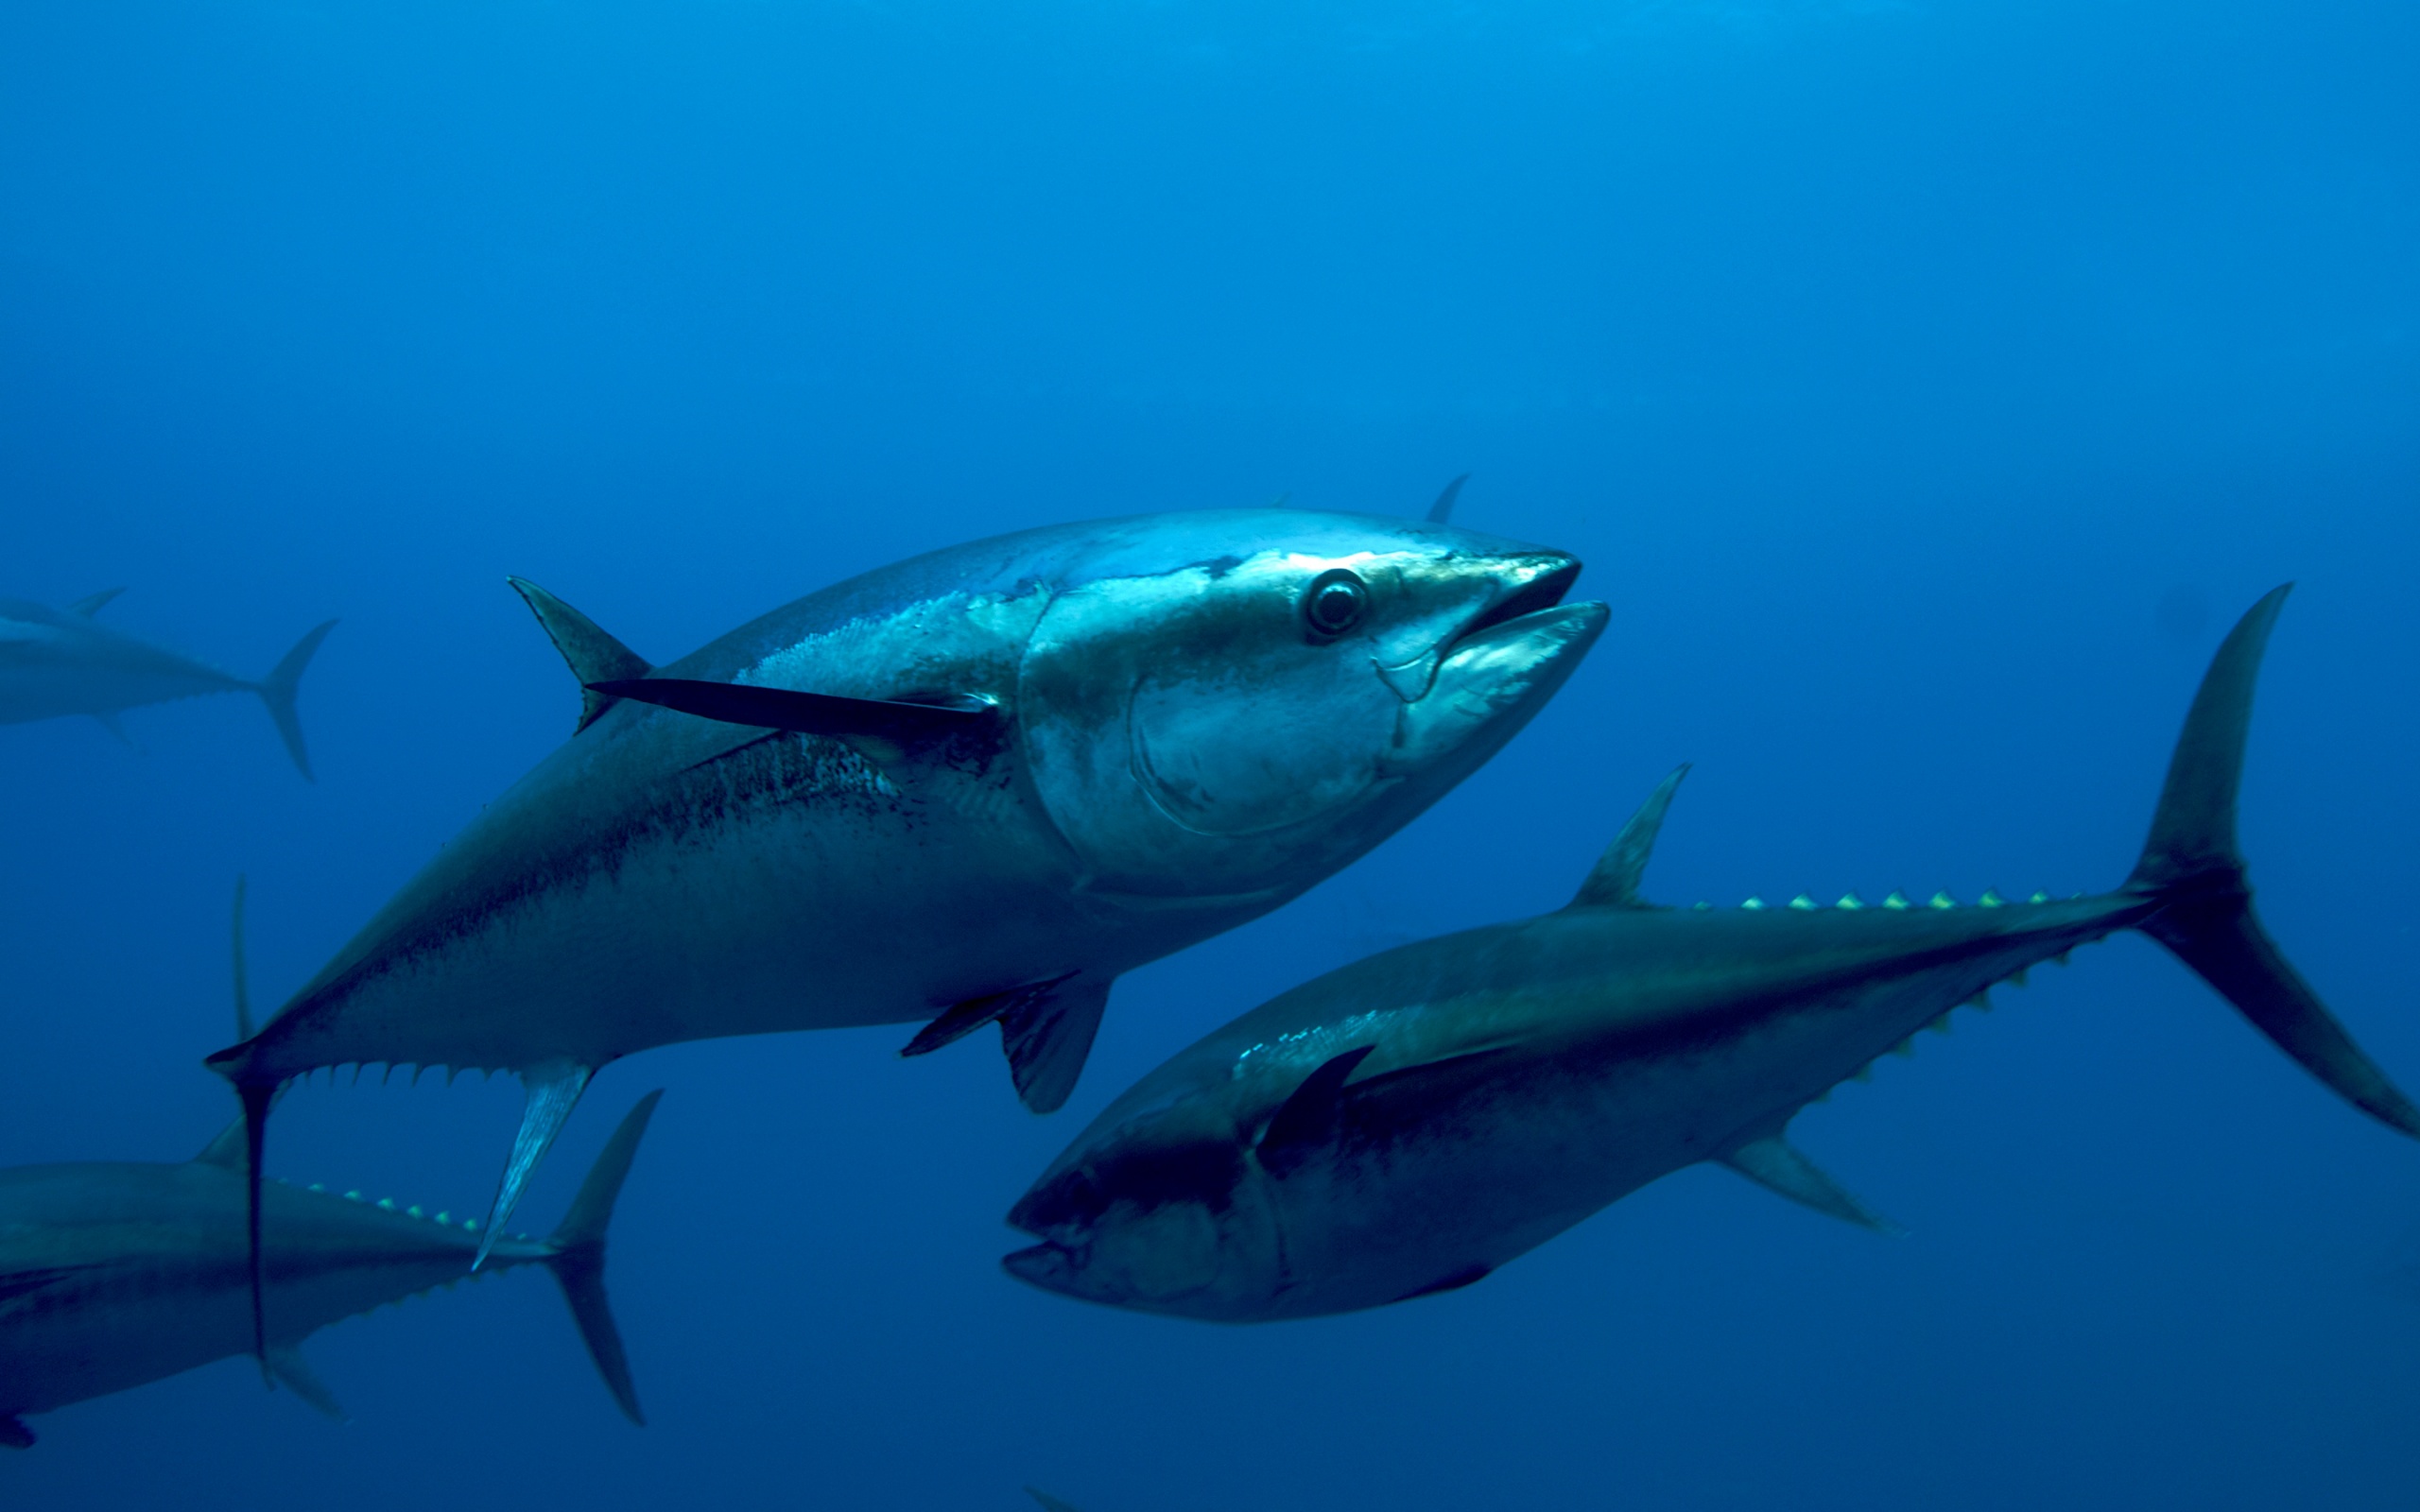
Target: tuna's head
{"x":1230,"y":706}
{"x":1165,"y":1213}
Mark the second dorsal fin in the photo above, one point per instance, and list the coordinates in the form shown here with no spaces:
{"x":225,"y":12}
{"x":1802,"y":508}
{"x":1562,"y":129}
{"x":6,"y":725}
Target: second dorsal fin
{"x":1614,"y":882}
{"x":227,"y":1150}
{"x":595,"y":656}
{"x":1442,"y":510}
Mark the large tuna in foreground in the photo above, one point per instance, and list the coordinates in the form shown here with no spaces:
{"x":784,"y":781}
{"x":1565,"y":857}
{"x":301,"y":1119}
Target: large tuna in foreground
{"x":55,"y":662}
{"x":973,"y":787}
{"x":1411,"y":1122}
{"x":118,"y":1273}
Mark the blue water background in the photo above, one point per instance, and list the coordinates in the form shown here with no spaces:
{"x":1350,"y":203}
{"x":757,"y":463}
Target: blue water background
{"x":1927,"y":385}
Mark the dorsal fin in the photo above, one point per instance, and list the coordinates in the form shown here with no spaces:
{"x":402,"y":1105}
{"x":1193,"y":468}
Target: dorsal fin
{"x":1614,"y":883}
{"x":1442,"y":510}
{"x":92,"y":604}
{"x":227,"y":1151}
{"x":595,"y":656}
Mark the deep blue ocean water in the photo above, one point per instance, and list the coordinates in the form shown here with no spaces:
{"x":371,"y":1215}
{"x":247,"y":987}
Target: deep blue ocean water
{"x":1927,"y":387}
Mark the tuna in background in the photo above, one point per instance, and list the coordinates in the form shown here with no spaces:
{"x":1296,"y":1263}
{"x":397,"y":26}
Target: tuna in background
{"x":1922,"y":386}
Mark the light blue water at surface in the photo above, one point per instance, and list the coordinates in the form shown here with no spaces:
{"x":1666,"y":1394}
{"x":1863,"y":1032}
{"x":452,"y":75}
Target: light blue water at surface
{"x":1926,"y":387}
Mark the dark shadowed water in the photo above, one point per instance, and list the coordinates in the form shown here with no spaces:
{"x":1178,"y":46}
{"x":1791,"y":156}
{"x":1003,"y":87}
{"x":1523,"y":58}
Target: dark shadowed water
{"x":1927,"y":387}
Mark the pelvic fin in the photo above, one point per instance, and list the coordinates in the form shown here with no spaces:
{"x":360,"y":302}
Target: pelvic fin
{"x":1048,"y":1035}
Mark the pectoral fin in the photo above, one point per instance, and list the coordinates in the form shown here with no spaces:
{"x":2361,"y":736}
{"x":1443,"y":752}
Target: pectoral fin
{"x":92,"y":604}
{"x":13,"y":1431}
{"x":24,"y":1282}
{"x":1772,"y":1163}
{"x":880,"y":728}
{"x":1305,"y":1122}
{"x":286,"y":1361}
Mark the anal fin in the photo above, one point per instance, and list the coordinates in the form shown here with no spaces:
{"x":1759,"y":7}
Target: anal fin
{"x":554,"y":1089}
{"x":286,"y":1361}
{"x":1772,"y":1163}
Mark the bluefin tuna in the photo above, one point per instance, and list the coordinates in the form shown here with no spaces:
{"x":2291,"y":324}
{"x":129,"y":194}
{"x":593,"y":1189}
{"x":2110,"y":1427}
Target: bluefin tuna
{"x":971,"y":788}
{"x":55,"y":662}
{"x":115,"y":1275}
{"x":1413,"y":1120}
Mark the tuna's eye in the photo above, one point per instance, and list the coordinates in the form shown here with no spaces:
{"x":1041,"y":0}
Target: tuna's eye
{"x":1335,"y":603}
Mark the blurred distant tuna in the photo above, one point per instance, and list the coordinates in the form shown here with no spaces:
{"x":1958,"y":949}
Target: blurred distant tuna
{"x":973,"y":787}
{"x":1407,"y":1123}
{"x":65,"y":662}
{"x":115,"y":1275}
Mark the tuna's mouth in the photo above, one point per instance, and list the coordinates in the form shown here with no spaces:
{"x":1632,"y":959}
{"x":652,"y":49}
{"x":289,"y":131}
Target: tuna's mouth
{"x":1052,"y":1267}
{"x":1539,"y":593}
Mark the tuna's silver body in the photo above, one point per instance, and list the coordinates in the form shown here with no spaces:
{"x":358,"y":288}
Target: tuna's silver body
{"x":115,"y":1275}
{"x":1409,"y":1123}
{"x":1520,"y":1078}
{"x":1172,"y":756}
{"x":55,"y":662}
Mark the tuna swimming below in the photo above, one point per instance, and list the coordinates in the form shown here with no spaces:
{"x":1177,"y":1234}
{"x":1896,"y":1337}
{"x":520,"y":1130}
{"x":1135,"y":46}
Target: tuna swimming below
{"x":1409,"y":1123}
{"x":112,"y":1275}
{"x":55,"y":662}
{"x":971,"y":788}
